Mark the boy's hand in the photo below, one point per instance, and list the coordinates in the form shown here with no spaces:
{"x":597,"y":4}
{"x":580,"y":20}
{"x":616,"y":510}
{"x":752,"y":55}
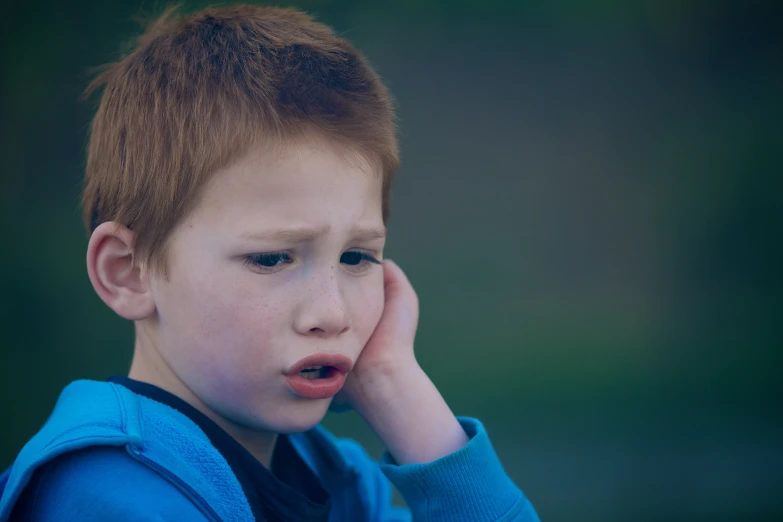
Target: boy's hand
{"x":391,"y":392}
{"x":390,"y":347}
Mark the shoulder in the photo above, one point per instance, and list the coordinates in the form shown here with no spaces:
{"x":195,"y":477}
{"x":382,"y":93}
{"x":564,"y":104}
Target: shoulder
{"x":101,"y":483}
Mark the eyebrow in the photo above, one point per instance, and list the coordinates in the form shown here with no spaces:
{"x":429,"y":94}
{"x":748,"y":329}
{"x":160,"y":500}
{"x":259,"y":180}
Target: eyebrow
{"x":297,"y":235}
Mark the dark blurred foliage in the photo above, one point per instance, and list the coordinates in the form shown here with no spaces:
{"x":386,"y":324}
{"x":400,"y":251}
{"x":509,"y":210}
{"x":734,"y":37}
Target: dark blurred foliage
{"x":589,"y":208}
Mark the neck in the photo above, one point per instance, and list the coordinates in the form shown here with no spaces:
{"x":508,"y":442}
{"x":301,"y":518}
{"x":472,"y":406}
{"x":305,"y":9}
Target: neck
{"x":149,"y":366}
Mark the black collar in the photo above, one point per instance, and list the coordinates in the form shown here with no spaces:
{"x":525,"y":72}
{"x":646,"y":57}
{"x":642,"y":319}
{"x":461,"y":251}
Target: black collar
{"x":291,"y":491}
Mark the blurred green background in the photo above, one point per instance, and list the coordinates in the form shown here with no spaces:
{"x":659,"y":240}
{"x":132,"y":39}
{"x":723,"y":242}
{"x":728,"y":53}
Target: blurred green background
{"x":589,"y":208}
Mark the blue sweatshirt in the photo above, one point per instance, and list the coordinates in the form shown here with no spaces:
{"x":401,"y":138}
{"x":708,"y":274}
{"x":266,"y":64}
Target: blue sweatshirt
{"x":121,"y":456}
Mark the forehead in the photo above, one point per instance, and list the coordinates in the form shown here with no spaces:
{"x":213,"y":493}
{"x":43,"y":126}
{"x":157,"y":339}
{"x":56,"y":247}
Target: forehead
{"x":307,"y":183}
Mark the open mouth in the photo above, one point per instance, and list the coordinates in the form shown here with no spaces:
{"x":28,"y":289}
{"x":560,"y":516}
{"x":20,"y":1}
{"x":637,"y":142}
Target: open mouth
{"x":319,"y":376}
{"x":318,"y":372}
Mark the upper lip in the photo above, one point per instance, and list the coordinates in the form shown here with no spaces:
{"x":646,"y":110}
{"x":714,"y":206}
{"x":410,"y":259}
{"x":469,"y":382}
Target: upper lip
{"x":341,"y":362}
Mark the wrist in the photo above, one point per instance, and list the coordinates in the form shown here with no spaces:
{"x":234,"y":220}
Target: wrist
{"x":407,"y":412}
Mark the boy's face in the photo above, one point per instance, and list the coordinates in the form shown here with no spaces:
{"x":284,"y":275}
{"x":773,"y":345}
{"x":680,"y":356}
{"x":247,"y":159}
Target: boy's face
{"x":229,"y":321}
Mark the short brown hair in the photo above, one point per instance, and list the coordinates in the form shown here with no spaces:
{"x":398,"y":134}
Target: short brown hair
{"x":200,"y":90}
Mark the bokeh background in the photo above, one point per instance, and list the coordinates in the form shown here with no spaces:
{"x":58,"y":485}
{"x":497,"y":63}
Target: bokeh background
{"x":589,"y":208}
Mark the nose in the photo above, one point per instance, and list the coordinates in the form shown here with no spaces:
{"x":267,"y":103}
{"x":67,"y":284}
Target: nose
{"x":323,"y":311}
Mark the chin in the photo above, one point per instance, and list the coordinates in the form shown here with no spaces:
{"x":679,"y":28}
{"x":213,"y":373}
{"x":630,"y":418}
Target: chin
{"x":298,"y":419}
{"x":291,"y":428}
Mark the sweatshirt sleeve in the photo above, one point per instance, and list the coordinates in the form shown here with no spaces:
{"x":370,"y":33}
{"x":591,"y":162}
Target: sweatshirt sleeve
{"x":467,"y":485}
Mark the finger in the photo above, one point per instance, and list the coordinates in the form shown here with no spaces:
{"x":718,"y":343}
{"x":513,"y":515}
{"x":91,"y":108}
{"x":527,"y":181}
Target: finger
{"x":393,"y":278}
{"x":395,"y":282}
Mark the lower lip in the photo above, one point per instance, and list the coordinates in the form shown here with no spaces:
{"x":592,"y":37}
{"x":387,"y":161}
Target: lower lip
{"x":316,"y":388}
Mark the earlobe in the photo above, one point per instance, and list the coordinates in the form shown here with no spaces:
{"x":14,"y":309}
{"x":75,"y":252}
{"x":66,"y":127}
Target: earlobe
{"x":115,"y":273}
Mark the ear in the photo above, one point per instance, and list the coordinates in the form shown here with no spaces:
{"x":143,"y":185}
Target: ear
{"x":115,"y":273}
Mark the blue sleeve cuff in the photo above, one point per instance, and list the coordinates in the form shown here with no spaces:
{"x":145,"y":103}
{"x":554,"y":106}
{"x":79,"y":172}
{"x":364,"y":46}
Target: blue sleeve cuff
{"x":469,"y":484}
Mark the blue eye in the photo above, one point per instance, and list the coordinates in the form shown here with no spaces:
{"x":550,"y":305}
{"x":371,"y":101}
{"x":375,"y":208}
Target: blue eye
{"x":269,"y":260}
{"x":355,"y":258}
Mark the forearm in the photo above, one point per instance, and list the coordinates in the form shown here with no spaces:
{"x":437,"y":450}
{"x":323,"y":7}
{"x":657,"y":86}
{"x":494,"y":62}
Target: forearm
{"x":410,"y":416}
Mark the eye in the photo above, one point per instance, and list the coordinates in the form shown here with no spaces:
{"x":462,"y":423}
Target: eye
{"x":357,"y":259}
{"x":268,"y":261}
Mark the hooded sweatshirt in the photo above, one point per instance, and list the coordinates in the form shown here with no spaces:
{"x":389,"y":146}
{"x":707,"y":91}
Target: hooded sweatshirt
{"x":107,"y":453}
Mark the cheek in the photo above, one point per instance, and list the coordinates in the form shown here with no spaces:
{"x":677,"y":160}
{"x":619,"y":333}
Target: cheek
{"x":241,"y":322}
{"x":220,"y":320}
{"x":367,"y":307}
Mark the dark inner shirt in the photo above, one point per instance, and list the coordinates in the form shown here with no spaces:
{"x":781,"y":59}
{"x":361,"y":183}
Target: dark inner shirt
{"x":290,"y":491}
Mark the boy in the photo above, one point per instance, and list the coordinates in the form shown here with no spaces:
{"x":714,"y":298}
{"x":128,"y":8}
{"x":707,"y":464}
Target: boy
{"x":237,"y":192}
